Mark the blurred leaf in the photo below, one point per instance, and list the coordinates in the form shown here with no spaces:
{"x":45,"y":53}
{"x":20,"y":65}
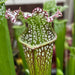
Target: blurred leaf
{"x":60,"y":29}
{"x":62,"y":8}
{"x":59,"y":72}
{"x":18,"y":30}
{"x":51,"y":7}
{"x":74,"y":27}
{"x":71,"y":63}
{"x":58,"y":62}
{"x":66,"y":45}
{"x":2,"y":1}
{"x":73,"y":34}
{"x":6,"y":57}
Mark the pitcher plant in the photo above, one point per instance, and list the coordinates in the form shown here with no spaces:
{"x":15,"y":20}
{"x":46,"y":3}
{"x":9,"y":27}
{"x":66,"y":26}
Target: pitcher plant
{"x":37,"y":38}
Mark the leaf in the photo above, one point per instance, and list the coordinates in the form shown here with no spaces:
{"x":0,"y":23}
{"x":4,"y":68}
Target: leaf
{"x":59,"y":72}
{"x":71,"y":63}
{"x":6,"y":57}
{"x":60,"y":29}
{"x":62,"y":8}
{"x":73,"y":34}
{"x":49,"y":6}
{"x":74,"y":27}
{"x":58,"y":62}
{"x":2,"y":1}
{"x":18,"y":30}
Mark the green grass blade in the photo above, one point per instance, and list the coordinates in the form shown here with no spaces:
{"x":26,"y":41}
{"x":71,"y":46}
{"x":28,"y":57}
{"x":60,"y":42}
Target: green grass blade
{"x":6,"y":57}
{"x":60,"y":29}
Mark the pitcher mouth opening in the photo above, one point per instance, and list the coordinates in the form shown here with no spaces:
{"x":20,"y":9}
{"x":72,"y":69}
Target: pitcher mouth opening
{"x":39,"y":45}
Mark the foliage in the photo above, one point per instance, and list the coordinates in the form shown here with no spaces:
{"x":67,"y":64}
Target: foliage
{"x":73,"y":34}
{"x":2,"y":1}
{"x":6,"y":57}
{"x":59,"y":72}
{"x":51,"y":7}
{"x":71,"y":64}
{"x":70,"y":68}
{"x":60,"y":29}
{"x":38,"y":33}
{"x":34,"y":40}
{"x":74,"y":27}
{"x":18,"y":30}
